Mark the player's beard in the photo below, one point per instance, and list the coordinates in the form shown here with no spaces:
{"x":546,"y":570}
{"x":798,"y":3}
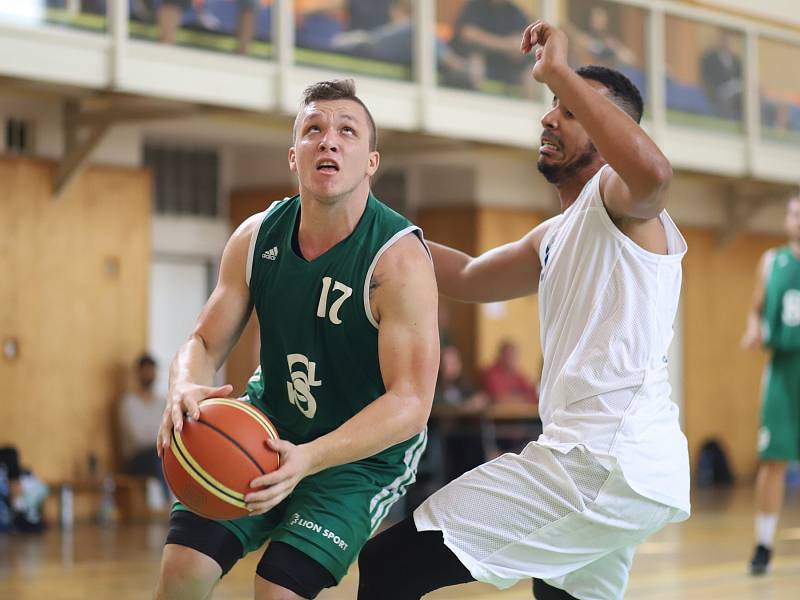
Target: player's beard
{"x":556,"y":174}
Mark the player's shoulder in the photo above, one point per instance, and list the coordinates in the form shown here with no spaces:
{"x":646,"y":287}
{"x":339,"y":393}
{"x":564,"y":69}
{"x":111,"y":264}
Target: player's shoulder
{"x":250,"y":226}
{"x":406,"y":254}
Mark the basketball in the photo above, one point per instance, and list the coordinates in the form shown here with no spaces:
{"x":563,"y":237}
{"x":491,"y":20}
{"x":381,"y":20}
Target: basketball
{"x":210,"y":463}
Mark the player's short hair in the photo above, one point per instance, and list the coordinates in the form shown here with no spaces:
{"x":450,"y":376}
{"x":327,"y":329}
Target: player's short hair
{"x":337,"y":89}
{"x":621,"y":89}
{"x":145,"y":360}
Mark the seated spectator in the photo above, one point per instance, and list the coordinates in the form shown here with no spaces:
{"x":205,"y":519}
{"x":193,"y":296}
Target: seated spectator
{"x":721,"y":70}
{"x":451,"y":387}
{"x":601,"y":45}
{"x":486,"y":35}
{"x":394,"y":42}
{"x":140,"y":413}
{"x":372,"y":14}
{"x":455,"y":445}
{"x":21,"y":495}
{"x":503,"y":381}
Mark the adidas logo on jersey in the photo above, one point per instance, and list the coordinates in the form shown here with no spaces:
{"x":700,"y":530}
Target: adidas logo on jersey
{"x":271,"y":254}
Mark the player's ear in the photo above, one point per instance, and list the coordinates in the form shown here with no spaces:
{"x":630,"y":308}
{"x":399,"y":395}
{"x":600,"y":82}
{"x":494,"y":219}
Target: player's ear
{"x":292,"y":160}
{"x":374,"y":162}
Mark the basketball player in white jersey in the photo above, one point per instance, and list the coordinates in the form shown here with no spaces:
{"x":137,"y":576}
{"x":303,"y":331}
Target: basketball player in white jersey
{"x":611,"y":466}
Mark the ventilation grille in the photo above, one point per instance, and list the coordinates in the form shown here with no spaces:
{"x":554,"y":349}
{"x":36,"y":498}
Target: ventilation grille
{"x":19,"y":136}
{"x":186,"y":181}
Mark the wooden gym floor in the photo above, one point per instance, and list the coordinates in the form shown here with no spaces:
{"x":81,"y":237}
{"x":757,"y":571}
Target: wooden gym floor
{"x":702,"y":559}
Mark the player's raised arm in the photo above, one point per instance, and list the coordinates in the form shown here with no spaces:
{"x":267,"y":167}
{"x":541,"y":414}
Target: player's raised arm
{"x":503,"y":273}
{"x":218,"y":327}
{"x":636,"y":187}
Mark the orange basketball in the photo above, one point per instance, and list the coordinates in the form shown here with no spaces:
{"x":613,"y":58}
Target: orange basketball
{"x":210,"y":464}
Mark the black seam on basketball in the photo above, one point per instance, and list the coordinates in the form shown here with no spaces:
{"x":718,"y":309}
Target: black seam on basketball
{"x":213,"y":484}
{"x":235,"y":443}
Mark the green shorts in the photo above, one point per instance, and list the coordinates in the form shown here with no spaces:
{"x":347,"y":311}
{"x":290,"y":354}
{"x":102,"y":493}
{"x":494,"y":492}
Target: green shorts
{"x":779,"y":436}
{"x":330,"y":515}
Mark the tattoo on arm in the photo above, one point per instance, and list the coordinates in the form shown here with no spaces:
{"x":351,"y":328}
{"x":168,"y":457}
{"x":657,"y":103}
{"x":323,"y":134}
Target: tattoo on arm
{"x":373,"y":285}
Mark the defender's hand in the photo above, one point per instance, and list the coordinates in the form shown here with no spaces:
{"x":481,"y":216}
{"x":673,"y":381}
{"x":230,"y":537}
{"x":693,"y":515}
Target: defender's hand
{"x":183,"y":400}
{"x":295,"y":463}
{"x":551,"y":55}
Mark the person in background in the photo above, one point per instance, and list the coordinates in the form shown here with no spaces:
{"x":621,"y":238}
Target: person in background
{"x":721,"y":70}
{"x":140,"y":412}
{"x":602,"y":46}
{"x":452,"y":389}
{"x":486,"y":35}
{"x":774,"y":323}
{"x":504,"y":382}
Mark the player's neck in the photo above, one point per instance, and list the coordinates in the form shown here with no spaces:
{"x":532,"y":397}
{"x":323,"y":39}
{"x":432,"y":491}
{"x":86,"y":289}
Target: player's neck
{"x":569,"y":189}
{"x":324,"y":223}
{"x":794,"y":246}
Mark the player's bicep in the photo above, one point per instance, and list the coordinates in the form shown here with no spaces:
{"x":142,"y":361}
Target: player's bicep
{"x":408,"y":335}
{"x":228,"y":308}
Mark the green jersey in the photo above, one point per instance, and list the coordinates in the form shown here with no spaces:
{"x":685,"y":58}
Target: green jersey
{"x":319,"y":339}
{"x":781,"y":312}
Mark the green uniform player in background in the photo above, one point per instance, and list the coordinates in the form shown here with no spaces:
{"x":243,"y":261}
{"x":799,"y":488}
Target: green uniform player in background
{"x":346,"y":300}
{"x":774,"y":322}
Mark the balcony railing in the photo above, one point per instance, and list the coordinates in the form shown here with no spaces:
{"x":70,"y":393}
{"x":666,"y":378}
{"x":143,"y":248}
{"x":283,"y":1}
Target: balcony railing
{"x":697,"y":69}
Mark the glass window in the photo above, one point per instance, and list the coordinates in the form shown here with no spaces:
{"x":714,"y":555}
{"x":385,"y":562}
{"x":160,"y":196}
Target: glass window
{"x":610,"y":35}
{"x":779,"y":74}
{"x":477,"y":45}
{"x":241,"y":26}
{"x":705,"y":77}
{"x":80,"y":14}
{"x":371,"y":37}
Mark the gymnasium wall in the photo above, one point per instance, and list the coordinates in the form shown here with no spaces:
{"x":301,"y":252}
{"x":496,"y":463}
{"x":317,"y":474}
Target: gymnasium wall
{"x":74,"y":295}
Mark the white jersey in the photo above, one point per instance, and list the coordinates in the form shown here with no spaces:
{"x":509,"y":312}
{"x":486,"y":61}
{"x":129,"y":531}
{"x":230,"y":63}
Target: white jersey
{"x":606,"y":308}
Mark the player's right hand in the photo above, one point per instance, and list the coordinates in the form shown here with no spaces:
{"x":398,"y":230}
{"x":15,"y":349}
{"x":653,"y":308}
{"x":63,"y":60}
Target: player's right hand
{"x":183,"y":400}
{"x":751,"y":340}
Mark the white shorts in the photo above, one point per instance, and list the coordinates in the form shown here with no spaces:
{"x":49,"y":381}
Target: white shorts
{"x":563,"y":518}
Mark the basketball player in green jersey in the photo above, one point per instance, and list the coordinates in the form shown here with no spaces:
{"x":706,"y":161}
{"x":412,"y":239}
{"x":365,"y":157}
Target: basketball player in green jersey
{"x":774,"y":322}
{"x":347,"y":303}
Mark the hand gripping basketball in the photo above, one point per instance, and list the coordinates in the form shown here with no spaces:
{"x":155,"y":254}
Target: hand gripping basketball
{"x":211,"y":461}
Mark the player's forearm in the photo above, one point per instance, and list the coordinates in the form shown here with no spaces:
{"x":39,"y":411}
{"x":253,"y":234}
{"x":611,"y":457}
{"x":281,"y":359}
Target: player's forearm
{"x":387,"y":421}
{"x":192,"y":364}
{"x":618,"y":138}
{"x":494,"y":276}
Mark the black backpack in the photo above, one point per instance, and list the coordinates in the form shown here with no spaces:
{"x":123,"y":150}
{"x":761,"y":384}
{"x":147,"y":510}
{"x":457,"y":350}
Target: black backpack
{"x":712,"y":466}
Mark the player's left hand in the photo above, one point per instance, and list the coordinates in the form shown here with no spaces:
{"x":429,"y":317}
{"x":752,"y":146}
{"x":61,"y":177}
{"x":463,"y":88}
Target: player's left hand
{"x":295,"y":463}
{"x":551,"y":55}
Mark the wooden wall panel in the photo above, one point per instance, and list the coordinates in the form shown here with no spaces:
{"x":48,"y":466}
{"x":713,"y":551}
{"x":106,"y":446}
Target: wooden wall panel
{"x":244,"y":358}
{"x":74,"y":293}
{"x":721,"y":381}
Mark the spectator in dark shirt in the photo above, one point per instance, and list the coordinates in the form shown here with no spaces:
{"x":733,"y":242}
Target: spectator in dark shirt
{"x":368,"y":14}
{"x":487,"y":32}
{"x":451,"y":387}
{"x":721,"y":69}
